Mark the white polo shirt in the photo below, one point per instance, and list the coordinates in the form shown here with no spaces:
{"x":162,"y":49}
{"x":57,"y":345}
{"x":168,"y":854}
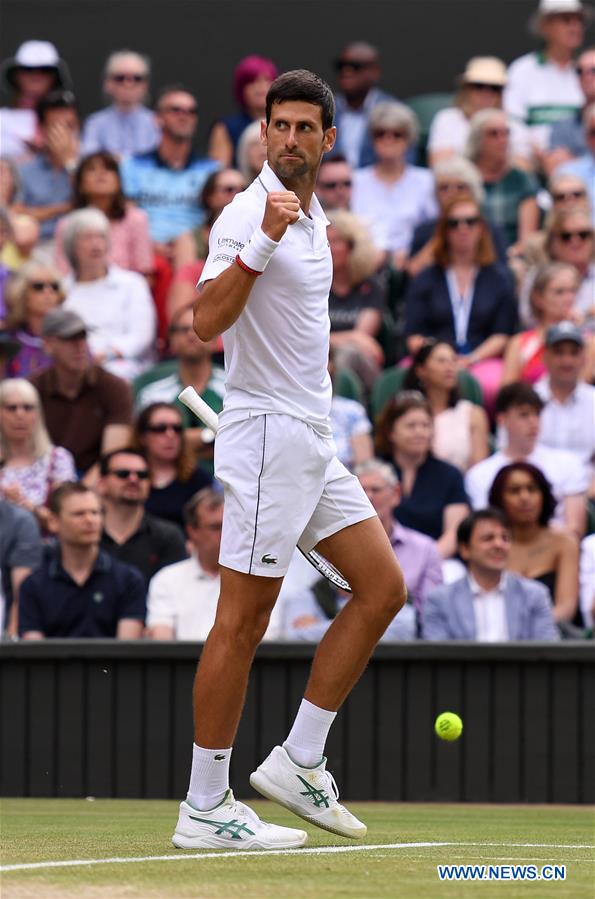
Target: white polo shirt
{"x":540,"y":92}
{"x":183,"y":597}
{"x":276,"y":353}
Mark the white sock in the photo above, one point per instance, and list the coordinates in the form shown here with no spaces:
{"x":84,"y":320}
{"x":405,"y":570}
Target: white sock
{"x":305,"y":743}
{"x":209,"y":778}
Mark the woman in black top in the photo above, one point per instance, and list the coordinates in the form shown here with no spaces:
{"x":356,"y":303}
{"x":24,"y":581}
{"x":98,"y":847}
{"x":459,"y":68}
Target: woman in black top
{"x":433,"y":494}
{"x":175,"y":476}
{"x":465,"y":298}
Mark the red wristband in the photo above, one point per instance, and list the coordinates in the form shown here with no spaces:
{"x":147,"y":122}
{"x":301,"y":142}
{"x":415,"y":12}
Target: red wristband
{"x":246,"y":268}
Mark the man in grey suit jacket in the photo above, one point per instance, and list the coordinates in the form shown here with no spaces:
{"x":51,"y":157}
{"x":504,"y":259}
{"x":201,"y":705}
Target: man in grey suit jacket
{"x":489,"y":604}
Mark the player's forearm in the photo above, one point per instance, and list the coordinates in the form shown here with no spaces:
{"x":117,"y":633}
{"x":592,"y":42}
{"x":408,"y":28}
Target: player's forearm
{"x":221,"y":302}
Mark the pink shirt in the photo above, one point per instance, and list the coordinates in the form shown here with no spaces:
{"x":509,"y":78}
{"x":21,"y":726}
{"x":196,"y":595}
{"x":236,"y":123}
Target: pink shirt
{"x":130,"y":243}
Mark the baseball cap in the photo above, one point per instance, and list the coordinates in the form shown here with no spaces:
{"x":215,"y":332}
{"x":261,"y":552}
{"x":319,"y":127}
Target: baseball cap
{"x":63,"y":323}
{"x":563,"y":331}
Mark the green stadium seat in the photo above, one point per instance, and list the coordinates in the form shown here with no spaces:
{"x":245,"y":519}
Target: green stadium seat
{"x":348,"y":384}
{"x":425,"y":107}
{"x":391,"y":381}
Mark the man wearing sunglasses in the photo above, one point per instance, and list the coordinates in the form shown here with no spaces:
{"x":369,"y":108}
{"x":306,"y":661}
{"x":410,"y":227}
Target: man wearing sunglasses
{"x":131,"y":534}
{"x":127,"y":126}
{"x":358,"y":74}
{"x":167,"y":182}
{"x":567,"y":139}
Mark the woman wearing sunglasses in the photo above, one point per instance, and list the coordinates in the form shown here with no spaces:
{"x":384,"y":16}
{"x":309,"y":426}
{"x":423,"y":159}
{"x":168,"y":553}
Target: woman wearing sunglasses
{"x":465,"y":298}
{"x":30,"y":465}
{"x":175,"y":476}
{"x":392,"y":193}
{"x":33,"y":292}
{"x":481,"y":86}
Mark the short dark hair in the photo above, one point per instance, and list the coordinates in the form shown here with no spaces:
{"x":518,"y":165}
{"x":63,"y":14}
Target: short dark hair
{"x":548,"y":505}
{"x":467,"y":526}
{"x":334,"y":157}
{"x":56,"y":100}
{"x":517,"y":394}
{"x":301,"y":84}
{"x":106,"y":458}
{"x":177,"y":88}
{"x":208,"y":497}
{"x":57,"y":496}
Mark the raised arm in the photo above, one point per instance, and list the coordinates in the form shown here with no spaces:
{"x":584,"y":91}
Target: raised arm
{"x":221,"y":301}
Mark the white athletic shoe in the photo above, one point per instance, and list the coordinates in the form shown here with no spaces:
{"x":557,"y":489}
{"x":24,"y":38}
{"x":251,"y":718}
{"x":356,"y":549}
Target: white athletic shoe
{"x":310,"y":793}
{"x":231,"y":825}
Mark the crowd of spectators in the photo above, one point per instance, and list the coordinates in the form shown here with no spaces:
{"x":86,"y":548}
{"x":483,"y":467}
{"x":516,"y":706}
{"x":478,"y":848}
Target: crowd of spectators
{"x":462,"y":346}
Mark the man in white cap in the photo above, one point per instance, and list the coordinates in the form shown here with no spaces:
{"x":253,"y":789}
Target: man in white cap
{"x":543,"y":86}
{"x":29,"y":76}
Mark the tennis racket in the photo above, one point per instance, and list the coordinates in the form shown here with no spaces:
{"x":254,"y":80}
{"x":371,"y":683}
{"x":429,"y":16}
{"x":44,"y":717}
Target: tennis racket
{"x":190,"y":398}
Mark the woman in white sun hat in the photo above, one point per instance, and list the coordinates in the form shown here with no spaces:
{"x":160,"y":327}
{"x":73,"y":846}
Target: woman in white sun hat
{"x":543,"y":86}
{"x":479,"y":87}
{"x":28,"y":76}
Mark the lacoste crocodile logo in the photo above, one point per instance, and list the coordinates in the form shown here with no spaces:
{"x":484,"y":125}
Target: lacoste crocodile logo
{"x":268,"y":559}
{"x":219,"y":758}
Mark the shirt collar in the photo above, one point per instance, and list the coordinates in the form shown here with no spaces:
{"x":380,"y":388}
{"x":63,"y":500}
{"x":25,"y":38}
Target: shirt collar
{"x":270,"y":182}
{"x":397,"y":534}
{"x":162,"y":163}
{"x":546,"y":392}
{"x":477,"y":591}
{"x":102,"y":564}
{"x":89,"y":379}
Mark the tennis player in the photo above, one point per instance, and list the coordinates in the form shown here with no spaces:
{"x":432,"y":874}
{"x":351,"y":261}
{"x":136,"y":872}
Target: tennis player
{"x":265,"y":287}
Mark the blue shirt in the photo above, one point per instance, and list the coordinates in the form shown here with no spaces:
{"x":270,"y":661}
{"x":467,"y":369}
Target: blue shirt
{"x":52,"y":603}
{"x":123,"y":132}
{"x":170,"y":197}
{"x":42,"y":184}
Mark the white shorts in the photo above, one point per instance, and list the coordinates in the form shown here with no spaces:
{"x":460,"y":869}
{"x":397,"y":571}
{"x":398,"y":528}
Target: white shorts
{"x":284,"y":486}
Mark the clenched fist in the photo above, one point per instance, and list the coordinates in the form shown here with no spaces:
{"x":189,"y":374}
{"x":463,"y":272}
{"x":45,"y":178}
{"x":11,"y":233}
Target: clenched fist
{"x":282,"y":209}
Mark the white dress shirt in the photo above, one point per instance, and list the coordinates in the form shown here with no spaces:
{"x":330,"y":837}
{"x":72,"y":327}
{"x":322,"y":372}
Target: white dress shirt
{"x":569,"y":425}
{"x":489,"y":607}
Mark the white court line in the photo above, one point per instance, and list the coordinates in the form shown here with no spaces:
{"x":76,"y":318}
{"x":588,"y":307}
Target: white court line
{"x":318,"y":850}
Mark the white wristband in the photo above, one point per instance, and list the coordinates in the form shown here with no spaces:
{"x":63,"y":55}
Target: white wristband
{"x":257,"y":253}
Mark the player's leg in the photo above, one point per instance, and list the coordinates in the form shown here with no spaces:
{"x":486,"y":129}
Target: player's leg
{"x":272,"y":471}
{"x":243,"y":610}
{"x":362,"y":552}
{"x":211,"y":817}
{"x":295,"y":774}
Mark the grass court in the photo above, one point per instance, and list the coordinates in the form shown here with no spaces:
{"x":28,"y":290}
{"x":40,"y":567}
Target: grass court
{"x":54,"y":830}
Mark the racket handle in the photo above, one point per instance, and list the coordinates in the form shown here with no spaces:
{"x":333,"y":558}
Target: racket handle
{"x":192,"y":400}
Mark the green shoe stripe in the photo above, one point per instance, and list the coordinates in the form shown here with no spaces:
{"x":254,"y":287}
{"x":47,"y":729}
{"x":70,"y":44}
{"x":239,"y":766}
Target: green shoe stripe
{"x":233,"y":827}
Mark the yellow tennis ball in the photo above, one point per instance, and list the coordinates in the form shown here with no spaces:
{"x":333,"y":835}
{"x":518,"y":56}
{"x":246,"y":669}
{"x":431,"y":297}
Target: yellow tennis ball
{"x":448,"y":726}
